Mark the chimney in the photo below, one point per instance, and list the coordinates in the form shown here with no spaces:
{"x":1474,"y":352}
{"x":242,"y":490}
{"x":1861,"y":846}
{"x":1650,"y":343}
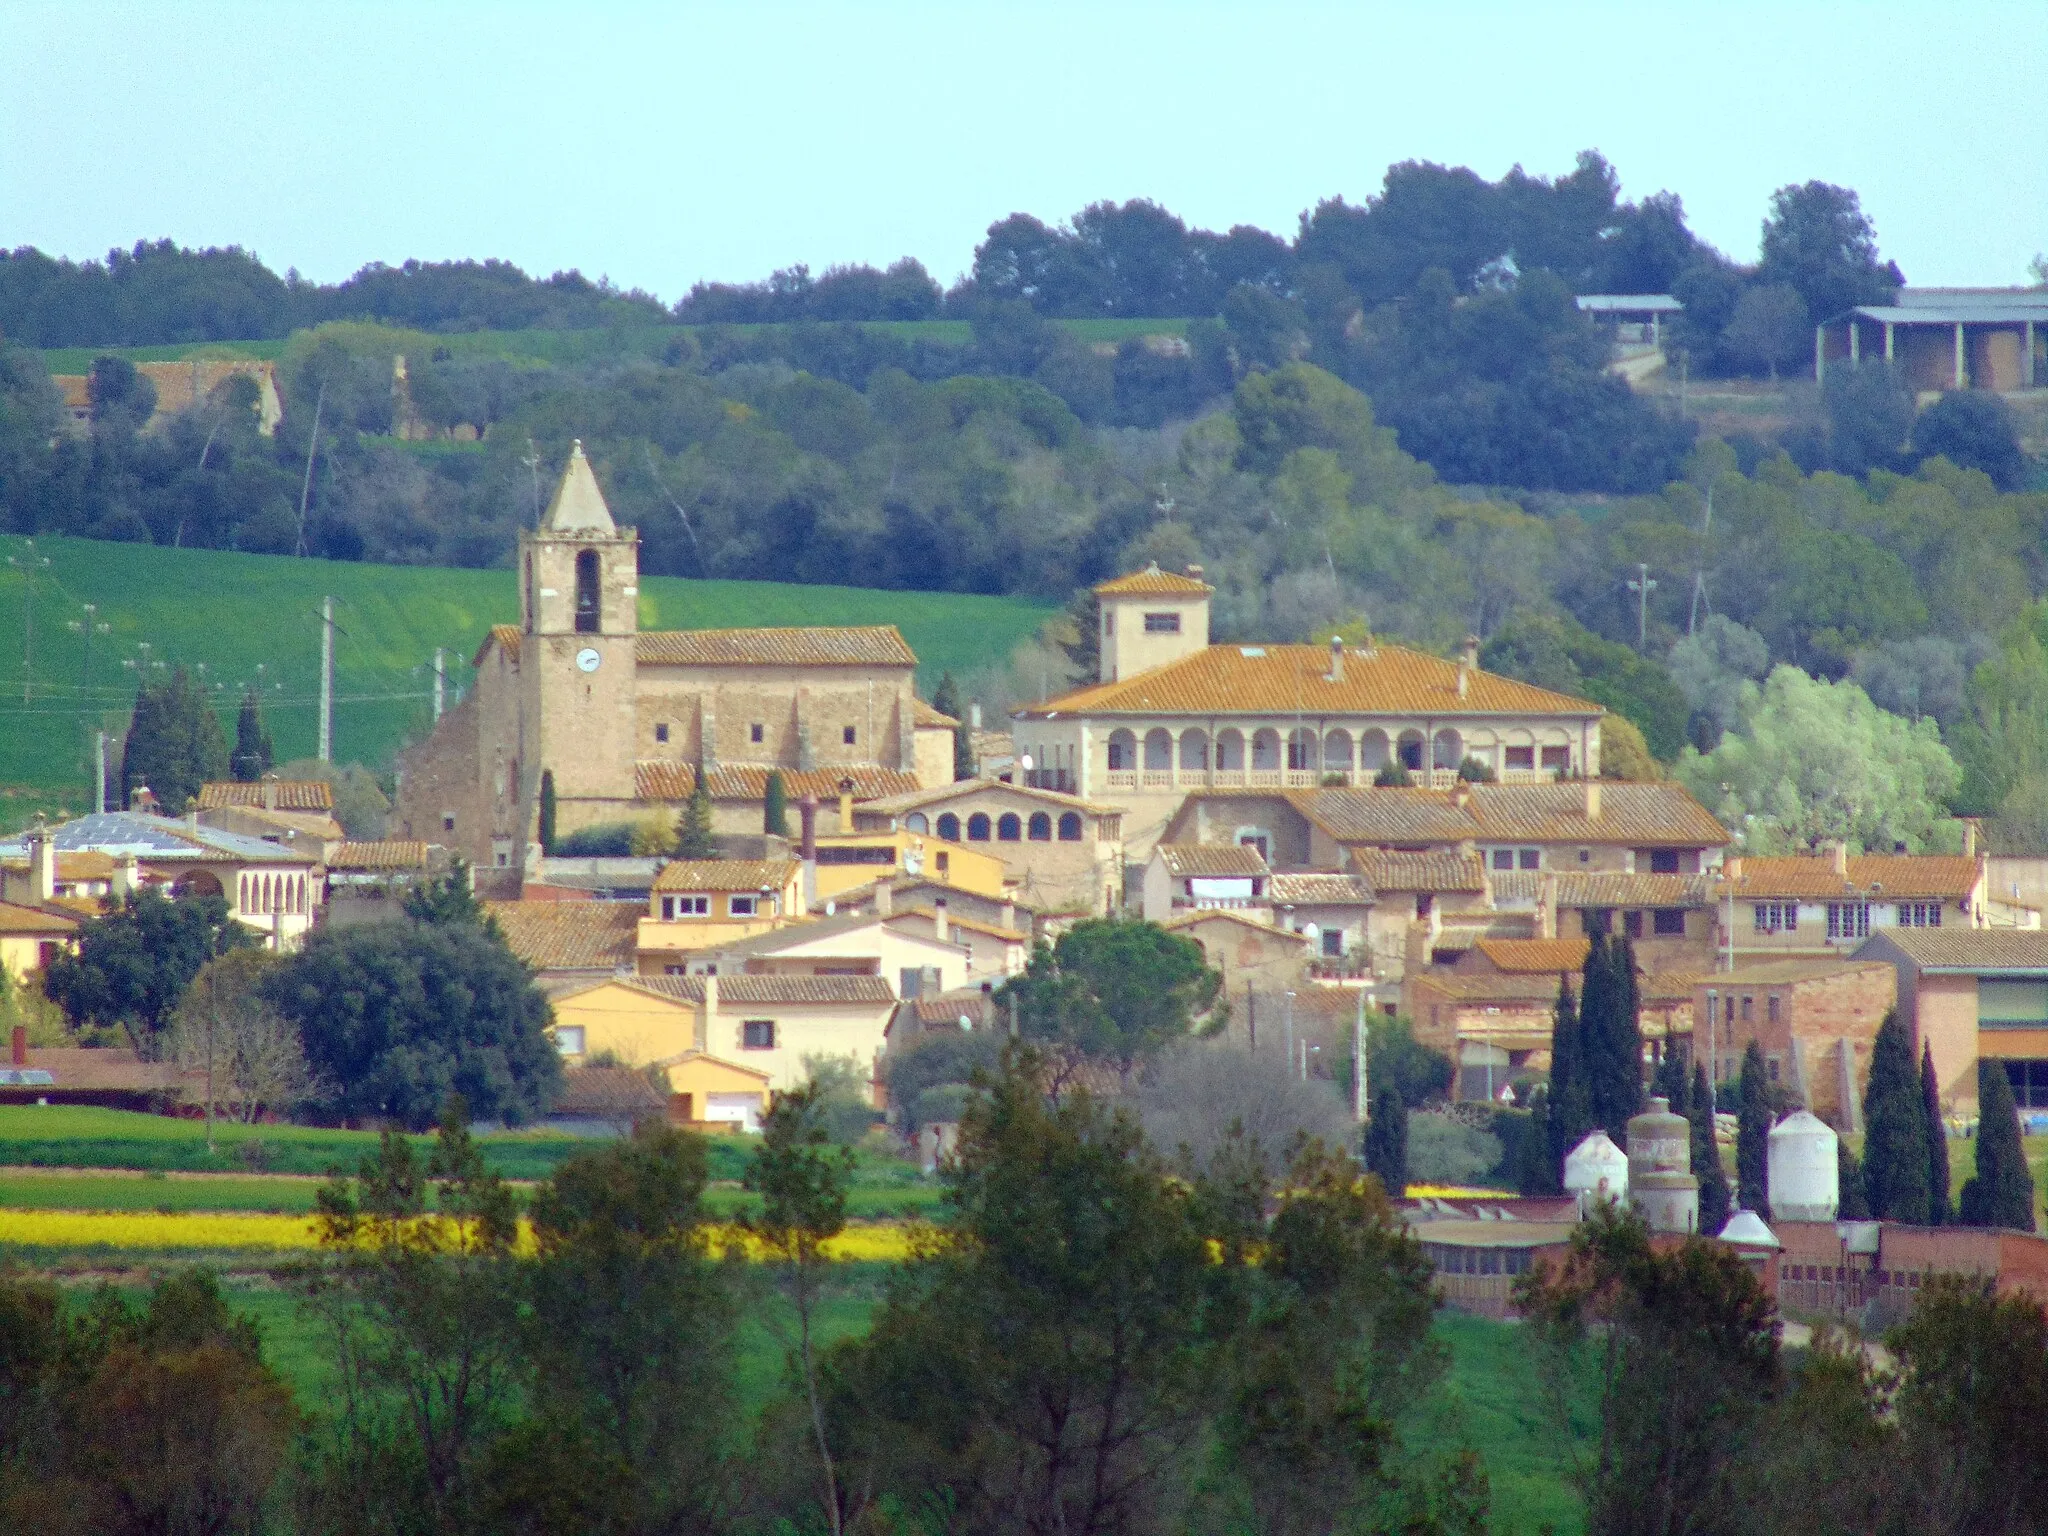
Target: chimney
{"x":845,"y":807}
{"x":807,"y":811}
{"x":1336,"y":658}
{"x":1461,"y":794}
{"x":941,"y":929}
{"x":1731,"y":870}
{"x":1468,"y":653}
{"x":974,"y":717}
{"x":127,"y":877}
{"x":21,"y":1045}
{"x":1464,"y":679}
{"x":708,"y":1013}
{"x":1838,"y":853}
{"x":42,"y":866}
{"x":1969,"y":837}
{"x":192,"y":815}
{"x":142,"y":800}
{"x":1195,"y":572}
{"x":1592,"y":799}
{"x":270,"y":791}
{"x":1546,"y":905}
{"x":885,"y":897}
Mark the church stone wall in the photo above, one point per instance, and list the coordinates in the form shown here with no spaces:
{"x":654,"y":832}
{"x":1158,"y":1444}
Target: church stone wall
{"x":438,"y":779}
{"x":803,"y":714}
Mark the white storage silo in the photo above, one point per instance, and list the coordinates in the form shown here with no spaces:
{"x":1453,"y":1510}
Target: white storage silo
{"x":1805,"y":1176}
{"x":1596,"y":1171}
{"x":1660,"y":1179}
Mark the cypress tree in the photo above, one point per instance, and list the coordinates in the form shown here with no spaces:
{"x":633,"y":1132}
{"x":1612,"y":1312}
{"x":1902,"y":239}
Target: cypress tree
{"x":1939,"y":1212}
{"x":1672,"y":1081}
{"x":1853,"y":1206}
{"x":1568,"y":1117}
{"x":1386,"y":1142}
{"x":1706,"y":1156}
{"x":1612,"y":1041}
{"x":946,"y":700}
{"x":775,"y":806}
{"x":1536,"y":1171}
{"x":253,"y":755}
{"x":174,"y":743}
{"x":1596,"y":1002}
{"x":1895,"y":1157}
{"x":547,"y":810}
{"x":1753,"y":1134}
{"x":2002,"y":1192}
{"x":1625,"y":1044}
{"x":693,"y":832}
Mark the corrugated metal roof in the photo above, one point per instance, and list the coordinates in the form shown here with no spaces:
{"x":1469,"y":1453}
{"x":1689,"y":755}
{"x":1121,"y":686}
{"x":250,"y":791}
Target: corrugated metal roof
{"x":1435,"y":871}
{"x":1273,"y":680}
{"x":764,"y":991}
{"x":292,"y":795}
{"x":868,"y":645}
{"x":1221,"y":860}
{"x":1964,"y":949}
{"x":1886,"y":876}
{"x":726,"y":875}
{"x":1635,"y":303}
{"x":659,"y":781}
{"x":1987,"y":313}
{"x":1151,"y":582}
{"x":1317,"y":888}
{"x":570,"y":935}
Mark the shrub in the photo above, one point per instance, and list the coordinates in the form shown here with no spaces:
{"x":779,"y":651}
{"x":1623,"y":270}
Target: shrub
{"x":607,"y":840}
{"x":1441,"y":1151}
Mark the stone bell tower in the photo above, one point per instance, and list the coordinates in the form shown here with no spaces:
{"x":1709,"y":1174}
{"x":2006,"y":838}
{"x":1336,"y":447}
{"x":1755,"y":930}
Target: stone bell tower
{"x":579,"y":589}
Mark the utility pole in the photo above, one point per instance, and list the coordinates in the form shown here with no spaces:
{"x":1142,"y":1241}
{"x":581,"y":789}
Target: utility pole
{"x":1358,"y":1098}
{"x":1642,"y":586}
{"x":440,"y":682}
{"x":1288,"y":1015}
{"x":88,"y":627}
{"x":99,"y":795}
{"x":28,"y":563}
{"x":326,"y":679}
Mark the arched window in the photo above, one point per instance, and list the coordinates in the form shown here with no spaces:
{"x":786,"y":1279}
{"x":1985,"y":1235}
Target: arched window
{"x":949,"y":827}
{"x":586,"y":592}
{"x":916,"y":822}
{"x":1194,"y":751}
{"x":1009,"y":828}
{"x":1070,"y":827}
{"x":1123,"y":751}
{"x":1266,"y":750}
{"x":1041,"y":827}
{"x":977,"y":828}
{"x":1158,"y":751}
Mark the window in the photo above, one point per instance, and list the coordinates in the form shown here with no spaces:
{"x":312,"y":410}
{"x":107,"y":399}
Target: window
{"x":1503,"y":858}
{"x":1162,"y":623}
{"x":1254,"y":840}
{"x":916,"y":821}
{"x":673,"y":907}
{"x":1008,"y":828}
{"x":1557,"y":757}
{"x":1040,"y":827}
{"x":742,"y":906}
{"x":1632,"y":924}
{"x":1585,"y":855}
{"x":847,"y":736}
{"x":569,"y":1039}
{"x":1747,"y":1009}
{"x":2029,"y":1081}
{"x":1521,"y":757}
{"x":945,"y":860}
{"x":1919,"y":914}
{"x":447,"y":821}
{"x":1777,"y":917}
{"x":754,"y":733}
{"x":1771,"y":1064}
{"x":1668,"y":922}
{"x":1424,"y":901}
{"x":1771,"y":1008}
{"x":1529,"y":858}
{"x":757,"y":1035}
{"x":661,"y":730}
{"x":1663,"y":861}
{"x":1333,"y":943}
{"x":1848,"y":919}
{"x":977,"y":828}
{"x":949,"y":828}
{"x":1070,"y":826}
{"x":586,"y":592}
{"x":675,"y":970}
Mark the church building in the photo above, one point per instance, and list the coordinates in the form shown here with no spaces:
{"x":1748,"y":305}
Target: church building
{"x":619,"y":719}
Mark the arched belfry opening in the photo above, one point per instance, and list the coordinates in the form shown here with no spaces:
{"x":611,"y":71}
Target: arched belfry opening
{"x":587,"y":597}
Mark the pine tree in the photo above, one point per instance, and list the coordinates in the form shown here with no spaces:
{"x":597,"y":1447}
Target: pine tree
{"x":775,"y":806}
{"x":1386,"y":1142}
{"x":1939,"y":1212}
{"x":2002,"y":1192}
{"x":1753,"y":1134}
{"x":547,"y":810}
{"x":1706,"y":1156}
{"x":693,"y":830}
{"x":1568,"y":1115}
{"x":1853,"y":1206}
{"x":253,"y":755}
{"x":1895,"y":1157}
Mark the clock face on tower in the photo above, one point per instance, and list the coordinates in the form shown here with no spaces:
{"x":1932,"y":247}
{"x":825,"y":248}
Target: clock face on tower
{"x":587,"y":660}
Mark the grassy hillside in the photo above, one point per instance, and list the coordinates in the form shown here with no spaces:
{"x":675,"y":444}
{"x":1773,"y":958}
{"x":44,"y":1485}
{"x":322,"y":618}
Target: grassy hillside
{"x":254,"y":618}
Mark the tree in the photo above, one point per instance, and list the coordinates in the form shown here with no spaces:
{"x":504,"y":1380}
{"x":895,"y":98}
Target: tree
{"x":448,"y":900}
{"x":547,"y":811}
{"x":402,"y":1019}
{"x":1203,"y":1098}
{"x":1561,"y":654}
{"x":253,"y":753}
{"x":1396,"y":1059}
{"x":1895,"y":1157}
{"x":1939,"y":1211}
{"x":134,"y":964}
{"x":801,"y":1179}
{"x":1753,"y":1134}
{"x":1610,"y":1035}
{"x":1869,"y":414}
{"x":775,"y":806}
{"x":174,"y":743}
{"x":224,"y":1033}
{"x":946,"y":700}
{"x":1706,"y":1155}
{"x":1569,"y":1115}
{"x":1974,"y":428}
{"x":1815,"y":761}
{"x":1819,"y":241}
{"x":1386,"y":1143}
{"x":694,"y":838}
{"x":2001,"y":1194}
{"x":1112,"y":989}
{"x":1770,"y":327}
{"x":1853,"y":1205}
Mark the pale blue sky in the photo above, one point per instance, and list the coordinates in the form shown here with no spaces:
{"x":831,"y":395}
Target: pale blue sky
{"x":663,"y":144}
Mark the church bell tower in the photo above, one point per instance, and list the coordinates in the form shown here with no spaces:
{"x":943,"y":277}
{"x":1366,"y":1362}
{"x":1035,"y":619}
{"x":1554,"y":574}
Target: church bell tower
{"x":579,"y":590}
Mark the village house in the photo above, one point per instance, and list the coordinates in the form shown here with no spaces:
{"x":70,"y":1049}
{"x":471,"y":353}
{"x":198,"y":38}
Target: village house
{"x":1192,"y":877}
{"x":180,"y":386}
{"x":1814,"y":1018}
{"x":1829,"y":903}
{"x":1171,"y":714}
{"x":1061,"y":853}
{"x":1245,"y":949}
{"x":1973,"y":993}
{"x":571,"y":944}
{"x":295,"y":812}
{"x":576,"y":696}
{"x":32,"y":937}
{"x":699,"y":904}
{"x":912,"y":962}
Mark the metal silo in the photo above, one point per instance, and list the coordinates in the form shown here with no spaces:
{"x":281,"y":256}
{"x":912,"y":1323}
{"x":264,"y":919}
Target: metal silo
{"x":1805,"y":1177}
{"x":1660,"y":1181}
{"x":1596,"y":1171}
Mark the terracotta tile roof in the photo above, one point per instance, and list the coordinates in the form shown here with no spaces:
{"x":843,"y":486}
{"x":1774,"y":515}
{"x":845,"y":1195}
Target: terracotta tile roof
{"x":955,"y":920}
{"x":1631,"y":815}
{"x":923,"y":714}
{"x":292,"y":795}
{"x":84,"y":1068}
{"x":869,"y":645}
{"x":87,"y":864}
{"x":948,"y":1007}
{"x":1964,"y":949}
{"x":1538,"y":989}
{"x":768,"y":991}
{"x":1889,"y":876}
{"x":1551,"y":957}
{"x":1313,"y":888}
{"x":17,"y":919}
{"x":1225,"y":860}
{"x":1271,"y":680}
{"x":505,"y":637}
{"x":726,"y":875}
{"x":1200,"y":915}
{"x":1445,"y":871}
{"x":602,"y":1093}
{"x":920,"y":799}
{"x":395,"y":854}
{"x":570,"y":935}
{"x":1154,"y":581}
{"x":660,"y":781}
{"x":1792,"y":968}
{"x":1606,"y":888}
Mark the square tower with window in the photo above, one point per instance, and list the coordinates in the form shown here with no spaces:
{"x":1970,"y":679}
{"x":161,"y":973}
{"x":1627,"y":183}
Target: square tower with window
{"x":1150,"y":618}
